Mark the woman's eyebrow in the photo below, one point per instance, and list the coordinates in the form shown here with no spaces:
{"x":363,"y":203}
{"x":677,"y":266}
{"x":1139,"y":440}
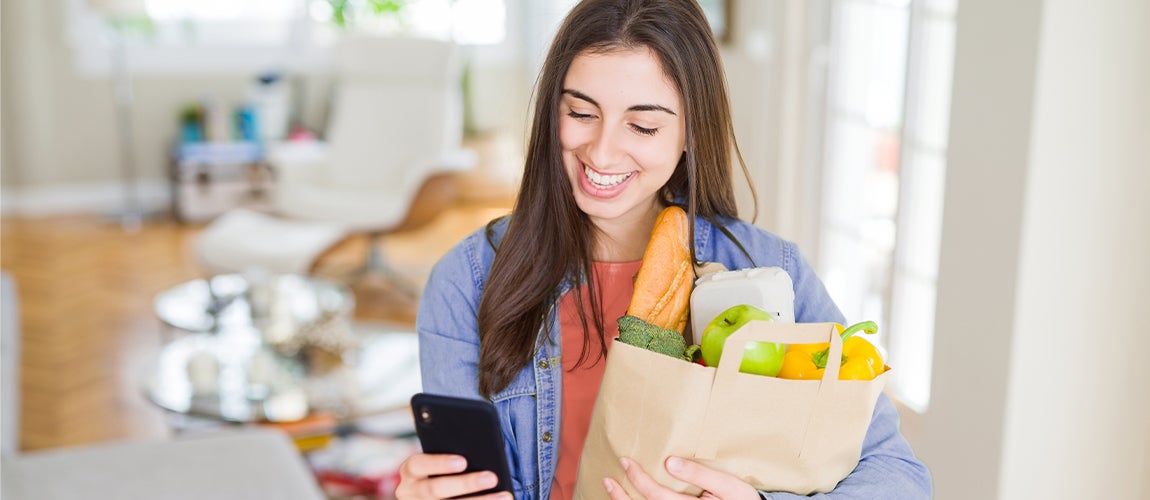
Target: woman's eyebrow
{"x":651,"y":107}
{"x":579,"y":95}
{"x":638,"y":107}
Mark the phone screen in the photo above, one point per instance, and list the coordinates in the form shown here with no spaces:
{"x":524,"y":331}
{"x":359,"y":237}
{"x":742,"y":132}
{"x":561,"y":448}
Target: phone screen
{"x":466,"y":427}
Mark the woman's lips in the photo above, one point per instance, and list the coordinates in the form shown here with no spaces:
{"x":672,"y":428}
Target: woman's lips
{"x":603,"y":185}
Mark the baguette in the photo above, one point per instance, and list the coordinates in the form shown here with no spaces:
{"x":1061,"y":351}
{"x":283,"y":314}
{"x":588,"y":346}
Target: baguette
{"x":662,"y":293}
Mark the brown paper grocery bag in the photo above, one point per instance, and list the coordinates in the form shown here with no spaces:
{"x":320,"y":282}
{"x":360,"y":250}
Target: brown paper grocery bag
{"x":801,"y":436}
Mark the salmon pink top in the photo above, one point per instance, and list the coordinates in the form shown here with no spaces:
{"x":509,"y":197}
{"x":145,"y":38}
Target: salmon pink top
{"x":616,"y":282}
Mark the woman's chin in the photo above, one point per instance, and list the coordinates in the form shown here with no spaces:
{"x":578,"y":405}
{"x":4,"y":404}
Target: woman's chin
{"x":600,"y":208}
{"x":613,"y":208}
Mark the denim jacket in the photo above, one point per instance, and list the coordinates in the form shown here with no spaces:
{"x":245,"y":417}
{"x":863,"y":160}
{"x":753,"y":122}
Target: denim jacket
{"x":529,"y":406}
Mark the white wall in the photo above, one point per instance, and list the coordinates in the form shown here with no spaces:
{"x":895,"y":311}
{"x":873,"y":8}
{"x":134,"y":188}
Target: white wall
{"x":59,"y":127}
{"x":962,"y":432}
{"x":63,"y":124}
{"x":766,"y":62}
{"x":1084,"y":266}
{"x":1038,"y":388}
{"x":62,"y":152}
{"x":61,"y":148}
{"x":750,"y":64}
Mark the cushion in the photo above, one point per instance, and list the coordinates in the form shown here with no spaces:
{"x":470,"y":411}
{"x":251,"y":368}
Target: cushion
{"x":242,"y":239}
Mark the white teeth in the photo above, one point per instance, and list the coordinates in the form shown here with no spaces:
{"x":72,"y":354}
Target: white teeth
{"x":605,"y":180}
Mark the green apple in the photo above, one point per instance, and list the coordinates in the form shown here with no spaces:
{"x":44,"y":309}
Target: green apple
{"x":760,"y":358}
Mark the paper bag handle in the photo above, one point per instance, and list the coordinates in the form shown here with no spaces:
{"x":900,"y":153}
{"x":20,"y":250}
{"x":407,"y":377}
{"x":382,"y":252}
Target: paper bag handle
{"x":786,"y":333}
{"x":769,"y":331}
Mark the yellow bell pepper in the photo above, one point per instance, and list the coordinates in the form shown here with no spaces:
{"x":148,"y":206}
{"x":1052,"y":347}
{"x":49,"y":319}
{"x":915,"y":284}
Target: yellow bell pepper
{"x":860,"y":360}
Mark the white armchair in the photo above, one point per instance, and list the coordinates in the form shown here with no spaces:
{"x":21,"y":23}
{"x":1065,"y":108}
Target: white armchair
{"x":396,"y":124}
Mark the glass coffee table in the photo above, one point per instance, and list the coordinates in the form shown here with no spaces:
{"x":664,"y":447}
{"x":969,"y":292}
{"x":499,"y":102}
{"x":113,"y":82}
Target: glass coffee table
{"x":274,"y":304}
{"x":277,"y":351}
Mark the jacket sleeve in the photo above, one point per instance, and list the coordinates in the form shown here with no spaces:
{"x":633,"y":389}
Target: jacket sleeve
{"x":449,"y":336}
{"x":812,"y":302}
{"x":447,"y":326}
{"x":887,"y":467}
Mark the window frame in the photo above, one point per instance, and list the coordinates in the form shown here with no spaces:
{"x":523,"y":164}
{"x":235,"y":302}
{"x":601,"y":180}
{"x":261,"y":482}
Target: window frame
{"x":910,"y":150}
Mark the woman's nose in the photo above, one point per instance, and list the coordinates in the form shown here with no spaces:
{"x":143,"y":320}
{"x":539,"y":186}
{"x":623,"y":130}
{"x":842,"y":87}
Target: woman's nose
{"x":604,"y":150}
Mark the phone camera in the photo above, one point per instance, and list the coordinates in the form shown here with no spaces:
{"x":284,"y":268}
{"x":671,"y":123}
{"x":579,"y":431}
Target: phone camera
{"x":425,"y":415}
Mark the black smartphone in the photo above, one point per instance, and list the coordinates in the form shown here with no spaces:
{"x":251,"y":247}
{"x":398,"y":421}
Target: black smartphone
{"x":467,"y":427}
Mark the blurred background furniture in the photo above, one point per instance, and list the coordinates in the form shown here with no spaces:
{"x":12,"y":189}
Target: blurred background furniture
{"x":248,"y":463}
{"x":119,"y":15}
{"x":9,"y":366}
{"x":278,"y":305}
{"x":390,"y":162}
{"x":227,"y":377}
{"x":277,"y":349}
{"x":209,"y":178}
{"x":245,"y":464}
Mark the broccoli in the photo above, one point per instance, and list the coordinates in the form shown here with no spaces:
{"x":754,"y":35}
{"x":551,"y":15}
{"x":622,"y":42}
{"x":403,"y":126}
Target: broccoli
{"x":639,"y":333}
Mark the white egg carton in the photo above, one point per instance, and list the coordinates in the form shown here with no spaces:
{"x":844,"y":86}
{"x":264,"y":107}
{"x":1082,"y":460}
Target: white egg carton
{"x":769,"y":288}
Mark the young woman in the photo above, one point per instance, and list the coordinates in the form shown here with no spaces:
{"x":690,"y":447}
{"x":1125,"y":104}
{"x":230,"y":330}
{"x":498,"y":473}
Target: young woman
{"x":631,"y":116}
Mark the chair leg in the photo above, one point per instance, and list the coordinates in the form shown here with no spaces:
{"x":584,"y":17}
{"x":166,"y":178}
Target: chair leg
{"x":375,"y":264}
{"x":375,"y":261}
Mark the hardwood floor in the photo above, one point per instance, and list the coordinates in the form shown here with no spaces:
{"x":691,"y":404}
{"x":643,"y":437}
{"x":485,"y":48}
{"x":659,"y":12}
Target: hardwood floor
{"x":85,"y":288}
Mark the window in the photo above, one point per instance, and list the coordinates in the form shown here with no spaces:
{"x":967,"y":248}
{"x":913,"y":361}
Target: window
{"x":474,"y":22}
{"x":179,"y":36}
{"x":884,"y":167}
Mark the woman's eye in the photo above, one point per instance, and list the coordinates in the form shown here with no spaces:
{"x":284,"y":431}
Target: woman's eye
{"x":579,"y":116}
{"x":644,"y":131}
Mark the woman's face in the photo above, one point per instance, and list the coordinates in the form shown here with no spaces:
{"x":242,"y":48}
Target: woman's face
{"x":622,"y":131}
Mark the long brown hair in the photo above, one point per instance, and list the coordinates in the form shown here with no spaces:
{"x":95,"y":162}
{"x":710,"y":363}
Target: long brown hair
{"x":548,"y":238}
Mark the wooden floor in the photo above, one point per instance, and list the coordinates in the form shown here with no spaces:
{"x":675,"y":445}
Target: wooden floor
{"x":85,"y":288}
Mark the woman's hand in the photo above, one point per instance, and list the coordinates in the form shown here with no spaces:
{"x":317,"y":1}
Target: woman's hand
{"x":715,"y":484}
{"x":415,"y":480}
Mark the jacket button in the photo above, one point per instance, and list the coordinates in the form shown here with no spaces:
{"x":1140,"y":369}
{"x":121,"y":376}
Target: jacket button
{"x":543,"y":363}
{"x":546,"y":437}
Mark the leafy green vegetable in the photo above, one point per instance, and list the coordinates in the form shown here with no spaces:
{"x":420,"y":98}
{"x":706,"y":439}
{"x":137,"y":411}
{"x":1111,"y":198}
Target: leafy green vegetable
{"x":639,"y":333}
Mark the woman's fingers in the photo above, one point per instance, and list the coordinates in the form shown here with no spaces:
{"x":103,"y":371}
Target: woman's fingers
{"x":456,"y":485}
{"x":614,"y":491}
{"x":424,"y":465}
{"x":416,"y":483}
{"x":447,"y":486}
{"x":644,"y":483}
{"x":717,"y":484}
{"x":639,"y":478}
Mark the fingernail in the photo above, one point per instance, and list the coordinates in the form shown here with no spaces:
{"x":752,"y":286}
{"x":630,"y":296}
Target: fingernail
{"x":458,"y":463}
{"x":675,"y":464}
{"x":488,"y":480}
{"x":607,"y":485}
{"x":625,"y":463}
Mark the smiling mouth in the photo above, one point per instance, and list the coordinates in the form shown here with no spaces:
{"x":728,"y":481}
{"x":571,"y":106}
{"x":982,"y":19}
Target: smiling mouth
{"x":605,"y":181}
